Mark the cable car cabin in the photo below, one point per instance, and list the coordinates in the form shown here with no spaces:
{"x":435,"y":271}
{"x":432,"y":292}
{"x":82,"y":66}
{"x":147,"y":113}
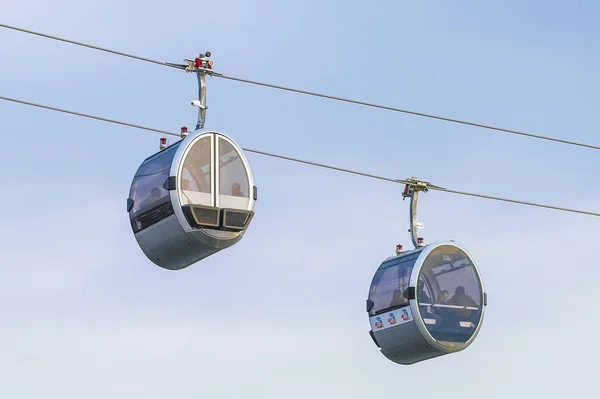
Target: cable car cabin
{"x":426,"y":303}
{"x":191,"y":200}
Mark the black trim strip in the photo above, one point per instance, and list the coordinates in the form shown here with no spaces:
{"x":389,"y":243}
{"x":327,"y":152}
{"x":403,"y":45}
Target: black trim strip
{"x":171,"y":183}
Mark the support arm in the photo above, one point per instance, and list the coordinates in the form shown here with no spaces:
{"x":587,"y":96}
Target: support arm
{"x":202,"y":99}
{"x":412,"y":190}
{"x":414,"y":236}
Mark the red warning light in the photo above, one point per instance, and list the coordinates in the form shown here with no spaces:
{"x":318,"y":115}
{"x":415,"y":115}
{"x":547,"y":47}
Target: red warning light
{"x":398,"y":249}
{"x":163,"y":143}
{"x":184,"y":131}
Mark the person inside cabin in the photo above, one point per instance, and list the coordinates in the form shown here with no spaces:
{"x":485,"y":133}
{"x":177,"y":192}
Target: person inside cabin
{"x":460,"y":298}
{"x":424,"y":303}
{"x":398,"y":299}
{"x":421,"y":294}
{"x":236,"y":190}
{"x":443,"y":298}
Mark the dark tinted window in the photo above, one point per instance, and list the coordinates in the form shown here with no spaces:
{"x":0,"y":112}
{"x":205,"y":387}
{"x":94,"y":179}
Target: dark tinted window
{"x":389,"y":287}
{"x":449,"y":295}
{"x":148,"y":190}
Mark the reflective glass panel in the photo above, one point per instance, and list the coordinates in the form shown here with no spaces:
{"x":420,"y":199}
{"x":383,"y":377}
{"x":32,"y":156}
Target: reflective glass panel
{"x":196,"y":170}
{"x":151,"y":199}
{"x":449,"y":295}
{"x":389,"y":288}
{"x":233,"y":178}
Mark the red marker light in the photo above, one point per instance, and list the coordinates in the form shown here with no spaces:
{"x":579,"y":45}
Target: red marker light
{"x":184,"y":131}
{"x":420,"y":240}
{"x":198,"y":62}
{"x":163,"y":143}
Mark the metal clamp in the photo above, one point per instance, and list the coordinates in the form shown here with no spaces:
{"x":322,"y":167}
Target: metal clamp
{"x":200,"y":64}
{"x":415,"y":185}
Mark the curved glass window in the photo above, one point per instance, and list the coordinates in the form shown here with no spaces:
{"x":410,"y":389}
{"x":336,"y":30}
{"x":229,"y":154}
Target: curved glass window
{"x":151,"y":200}
{"x":233,"y":176}
{"x":389,"y":288}
{"x":449,"y":295}
{"x":196,"y":174}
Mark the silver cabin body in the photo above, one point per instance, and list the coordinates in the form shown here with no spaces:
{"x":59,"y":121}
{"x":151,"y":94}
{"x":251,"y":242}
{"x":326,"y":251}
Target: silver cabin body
{"x":191,"y":200}
{"x":412,"y":319}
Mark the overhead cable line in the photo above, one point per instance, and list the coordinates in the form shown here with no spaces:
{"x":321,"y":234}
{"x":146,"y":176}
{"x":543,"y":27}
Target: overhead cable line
{"x":399,"y":181}
{"x":442,"y":118}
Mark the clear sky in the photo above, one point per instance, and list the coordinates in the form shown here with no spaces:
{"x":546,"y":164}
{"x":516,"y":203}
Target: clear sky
{"x":282,"y":314}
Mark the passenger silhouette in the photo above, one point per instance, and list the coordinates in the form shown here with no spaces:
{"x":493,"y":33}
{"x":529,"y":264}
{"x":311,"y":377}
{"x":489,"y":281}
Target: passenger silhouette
{"x":421,"y":294}
{"x":398,"y":299}
{"x":236,"y":190}
{"x":460,"y":298}
{"x":443,"y":298}
{"x":422,"y":297}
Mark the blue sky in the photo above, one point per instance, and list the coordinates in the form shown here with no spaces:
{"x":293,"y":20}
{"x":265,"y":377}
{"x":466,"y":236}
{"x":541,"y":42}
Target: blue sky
{"x":281,"y":314}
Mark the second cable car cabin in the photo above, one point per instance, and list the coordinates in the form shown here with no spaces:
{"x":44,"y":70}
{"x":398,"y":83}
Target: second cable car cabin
{"x":425,"y":303}
{"x":191,"y":200}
